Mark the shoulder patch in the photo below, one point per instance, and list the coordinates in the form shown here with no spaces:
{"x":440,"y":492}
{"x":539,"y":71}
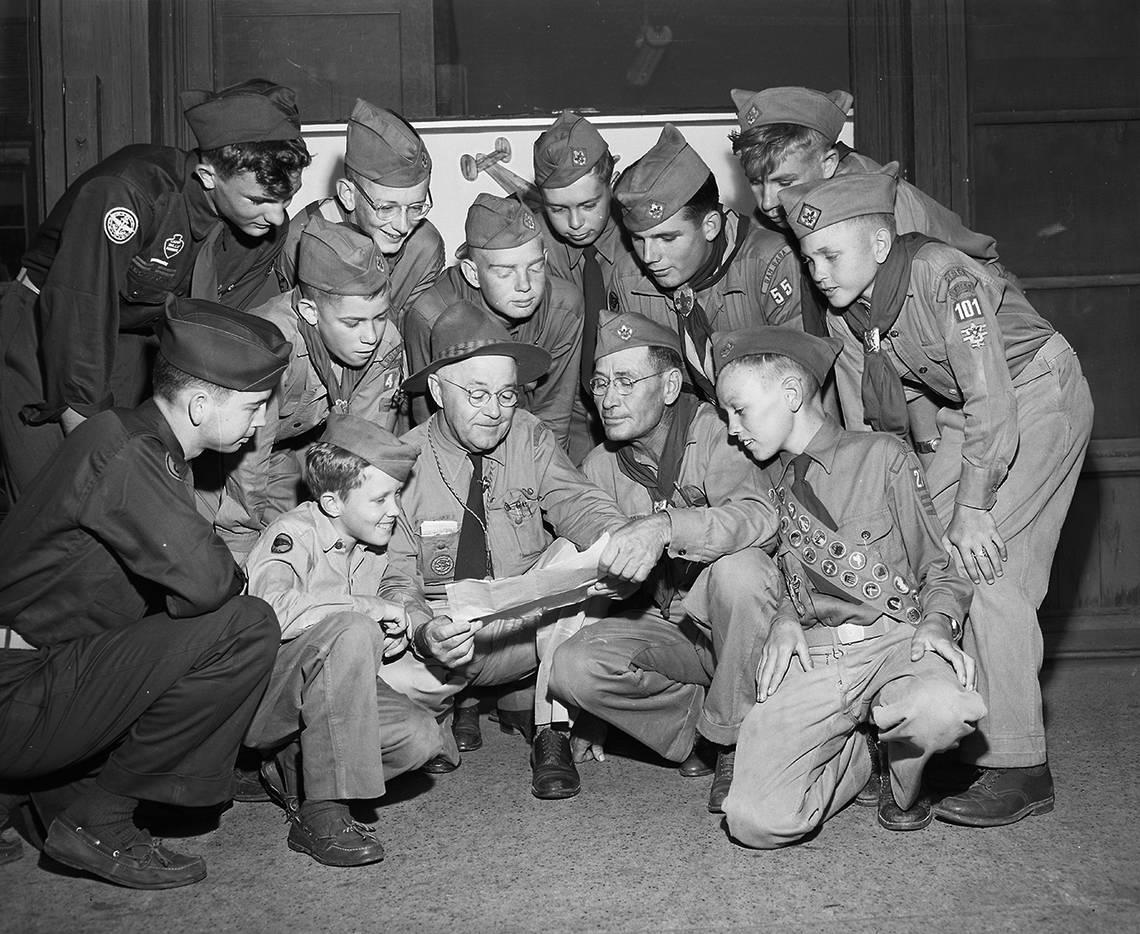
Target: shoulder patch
{"x":281,"y":544}
{"x":773,"y":265}
{"x":120,"y":224}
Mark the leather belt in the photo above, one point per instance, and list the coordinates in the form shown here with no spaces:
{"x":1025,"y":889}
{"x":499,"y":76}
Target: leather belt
{"x":10,"y":639}
{"x":25,"y":280}
{"x":823,"y":636}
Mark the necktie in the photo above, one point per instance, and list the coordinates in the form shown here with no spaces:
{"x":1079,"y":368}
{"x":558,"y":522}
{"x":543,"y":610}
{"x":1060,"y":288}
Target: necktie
{"x":802,"y":491}
{"x":204,"y":274}
{"x":594,"y":294}
{"x":471,"y":553}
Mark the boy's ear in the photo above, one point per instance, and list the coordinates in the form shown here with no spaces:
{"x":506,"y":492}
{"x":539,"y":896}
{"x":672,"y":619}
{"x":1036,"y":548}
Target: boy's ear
{"x":794,"y":393}
{"x":711,"y":225}
{"x":206,"y":174}
{"x":830,"y":162}
{"x":198,"y":407}
{"x":307,"y":309}
{"x":330,"y":504}
{"x":346,"y":194}
{"x":881,"y":244}
{"x":470,"y":271}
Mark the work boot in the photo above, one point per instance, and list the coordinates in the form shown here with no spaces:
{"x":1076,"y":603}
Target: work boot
{"x":554,"y":774}
{"x":465,"y":728}
{"x":326,"y":831}
{"x":891,"y":816}
{"x":722,"y":779}
{"x":139,"y":863}
{"x":1000,"y":796}
{"x":868,"y":796}
{"x":701,"y":761}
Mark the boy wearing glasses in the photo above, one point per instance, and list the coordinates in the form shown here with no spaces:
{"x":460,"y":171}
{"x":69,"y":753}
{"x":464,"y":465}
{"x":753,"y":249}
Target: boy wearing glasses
{"x":675,"y":661}
{"x":385,"y":194}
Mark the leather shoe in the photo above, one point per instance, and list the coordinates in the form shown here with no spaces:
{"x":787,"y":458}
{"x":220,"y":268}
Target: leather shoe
{"x":1000,"y":796}
{"x":248,"y":787}
{"x":465,"y":728}
{"x":868,"y":796}
{"x":439,"y":765}
{"x":11,"y":846}
{"x":143,"y":863}
{"x":516,"y":721}
{"x":893,"y":817}
{"x":722,"y":779}
{"x":701,"y":761}
{"x":326,"y":831}
{"x":554,"y":774}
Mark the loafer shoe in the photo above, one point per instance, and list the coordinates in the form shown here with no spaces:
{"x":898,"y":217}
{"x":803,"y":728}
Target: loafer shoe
{"x":439,"y":765}
{"x":144,"y":863}
{"x":722,"y":779}
{"x":465,"y":729}
{"x":999,"y":797}
{"x":11,"y":846}
{"x":516,"y":721}
{"x":701,"y":761}
{"x":553,"y":773}
{"x":329,"y":835}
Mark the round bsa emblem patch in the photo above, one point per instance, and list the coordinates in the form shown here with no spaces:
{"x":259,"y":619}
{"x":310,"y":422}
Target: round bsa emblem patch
{"x":120,"y":224}
{"x":655,"y":209}
{"x":578,"y":156}
{"x":625,"y":332}
{"x":442,"y":564}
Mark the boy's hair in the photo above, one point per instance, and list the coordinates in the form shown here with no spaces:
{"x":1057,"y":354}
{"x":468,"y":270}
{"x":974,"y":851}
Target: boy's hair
{"x":168,"y":381}
{"x":705,"y":200}
{"x":762,"y":148}
{"x":775,"y":366}
{"x":664,"y":358}
{"x":604,"y":167}
{"x":320,"y":297}
{"x":872,"y":222}
{"x":331,"y":469}
{"x":274,"y":163}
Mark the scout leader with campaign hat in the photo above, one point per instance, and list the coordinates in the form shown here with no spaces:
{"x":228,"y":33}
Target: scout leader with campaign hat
{"x":347,"y":357}
{"x":319,"y":566}
{"x":700,"y":268}
{"x":385,"y":193}
{"x":125,"y":648}
{"x":502,"y":269}
{"x":713,"y":590}
{"x":1014,"y":433}
{"x":146,"y":222}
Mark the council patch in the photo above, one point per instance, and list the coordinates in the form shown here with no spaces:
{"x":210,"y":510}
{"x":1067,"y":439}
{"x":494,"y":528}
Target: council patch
{"x":120,"y":224}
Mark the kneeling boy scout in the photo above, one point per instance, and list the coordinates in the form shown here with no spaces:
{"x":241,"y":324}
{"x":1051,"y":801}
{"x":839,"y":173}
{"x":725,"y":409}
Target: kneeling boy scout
{"x":872,"y":612}
{"x":1016,"y":422}
{"x":319,"y":566}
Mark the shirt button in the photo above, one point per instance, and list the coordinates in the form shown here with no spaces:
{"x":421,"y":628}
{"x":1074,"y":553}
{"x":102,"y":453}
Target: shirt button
{"x":296,"y":424}
{"x":922,"y":369}
{"x":681,"y":551}
{"x":339,"y":546}
{"x":865,"y":535}
{"x":893,"y":334}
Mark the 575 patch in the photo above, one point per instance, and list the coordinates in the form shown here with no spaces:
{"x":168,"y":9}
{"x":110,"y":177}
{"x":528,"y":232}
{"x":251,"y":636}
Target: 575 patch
{"x":781,"y":292}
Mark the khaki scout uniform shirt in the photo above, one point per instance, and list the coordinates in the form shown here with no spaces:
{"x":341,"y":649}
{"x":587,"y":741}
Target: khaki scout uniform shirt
{"x":762,"y":286}
{"x":529,"y":482}
{"x":875,"y":490}
{"x":565,"y":261}
{"x":555,"y":326}
{"x":302,"y":568}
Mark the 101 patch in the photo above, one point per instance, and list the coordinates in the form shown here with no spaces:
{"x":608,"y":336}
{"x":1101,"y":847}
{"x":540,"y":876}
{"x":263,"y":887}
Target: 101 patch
{"x":120,"y":224}
{"x":968,"y":308}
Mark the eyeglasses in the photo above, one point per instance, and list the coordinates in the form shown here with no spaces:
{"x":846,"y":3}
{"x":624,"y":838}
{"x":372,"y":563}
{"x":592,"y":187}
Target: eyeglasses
{"x":508,"y":398}
{"x":388,"y":211}
{"x":623,"y":384}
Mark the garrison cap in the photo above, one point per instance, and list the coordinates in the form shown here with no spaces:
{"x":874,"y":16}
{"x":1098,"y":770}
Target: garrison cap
{"x":814,"y":354}
{"x":255,"y":111}
{"x":495,"y":223}
{"x":566,"y":151}
{"x":815,"y":205}
{"x":633,"y":330}
{"x":340,"y":260}
{"x":223,"y":346}
{"x":800,"y":106}
{"x":368,"y":441}
{"x":464,"y":330}
{"x":661,"y":182}
{"x":383,"y":148}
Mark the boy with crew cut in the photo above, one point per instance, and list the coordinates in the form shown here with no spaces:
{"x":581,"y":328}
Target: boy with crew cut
{"x":335,"y":731}
{"x":1015,"y":422}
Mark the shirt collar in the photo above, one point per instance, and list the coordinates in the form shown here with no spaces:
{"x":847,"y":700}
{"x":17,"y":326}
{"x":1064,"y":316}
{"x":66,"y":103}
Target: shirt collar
{"x":327,"y":534}
{"x":151,"y":414}
{"x":450,"y":451}
{"x":199,"y":210}
{"x":821,"y":448}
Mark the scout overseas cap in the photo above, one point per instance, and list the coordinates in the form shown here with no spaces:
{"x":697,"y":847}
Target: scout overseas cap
{"x":339,"y":260}
{"x":495,"y":223}
{"x":566,"y":151}
{"x":368,"y":441}
{"x":223,"y":346}
{"x":661,"y":182}
{"x":815,"y":205}
{"x":800,"y":106}
{"x":255,"y":111}
{"x":814,"y":354}
{"x":465,"y":330}
{"x":383,"y":148}
{"x":633,"y":330}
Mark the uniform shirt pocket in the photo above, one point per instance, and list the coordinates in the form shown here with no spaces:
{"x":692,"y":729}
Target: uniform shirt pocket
{"x":520,"y":511}
{"x":439,"y":546}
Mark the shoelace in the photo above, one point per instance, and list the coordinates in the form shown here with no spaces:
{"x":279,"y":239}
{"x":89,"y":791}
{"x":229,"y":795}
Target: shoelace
{"x":549,"y":744}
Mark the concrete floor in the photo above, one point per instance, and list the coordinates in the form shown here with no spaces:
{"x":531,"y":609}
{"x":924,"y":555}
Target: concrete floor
{"x":637,"y":852}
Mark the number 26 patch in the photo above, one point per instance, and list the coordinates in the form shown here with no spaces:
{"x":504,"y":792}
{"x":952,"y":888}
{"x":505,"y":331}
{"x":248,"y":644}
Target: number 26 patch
{"x":781,"y":292}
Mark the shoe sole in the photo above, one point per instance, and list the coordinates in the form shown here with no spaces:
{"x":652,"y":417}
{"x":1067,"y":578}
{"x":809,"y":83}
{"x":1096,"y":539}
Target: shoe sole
{"x":1036,"y":809}
{"x":72,"y":863}
{"x":555,"y":795}
{"x":468,"y":747}
{"x":298,"y":848}
{"x":899,"y":827}
{"x":691,"y":774}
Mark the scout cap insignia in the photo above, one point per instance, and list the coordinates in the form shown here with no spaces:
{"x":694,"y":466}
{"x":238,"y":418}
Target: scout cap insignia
{"x":382,"y":147}
{"x":368,"y":441}
{"x":661,"y":182}
{"x":567,"y":150}
{"x":825,"y":113}
{"x":814,"y":354}
{"x":819,"y":204}
{"x":809,"y":216}
{"x":621,"y":332}
{"x":495,"y":223}
{"x":340,"y":260}
{"x":253,"y":111}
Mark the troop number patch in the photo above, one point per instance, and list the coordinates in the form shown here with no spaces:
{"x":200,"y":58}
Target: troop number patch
{"x":120,"y":224}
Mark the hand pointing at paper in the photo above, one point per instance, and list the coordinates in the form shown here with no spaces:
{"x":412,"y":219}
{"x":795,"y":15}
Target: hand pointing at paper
{"x":636,"y":547}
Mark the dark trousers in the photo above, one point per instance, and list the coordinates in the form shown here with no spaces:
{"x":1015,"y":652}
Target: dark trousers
{"x":156,"y":710}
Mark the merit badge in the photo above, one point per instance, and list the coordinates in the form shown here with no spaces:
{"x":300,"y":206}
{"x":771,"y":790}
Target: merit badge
{"x":975,"y":335}
{"x":655,"y":210}
{"x":780,"y":494}
{"x":281,"y":544}
{"x":578,"y":156}
{"x":901,"y":586}
{"x":858,"y":560}
{"x":785,"y":524}
{"x":753,"y":115}
{"x":829,"y":567}
{"x":791,"y":508}
{"x":871,"y":590}
{"x":880,"y":572}
{"x":442,"y":564}
{"x":120,"y":224}
{"x":528,"y":222}
{"x":837,"y":549}
{"x":795,"y":539}
{"x":809,"y":216}
{"x":913,"y":616}
{"x":894,"y":604}
{"x":172,"y":246}
{"x":818,"y":538}
{"x":625,"y":332}
{"x":805,"y":524}
{"x":809,"y":554}
{"x":614,"y":303}
{"x":849,"y":578}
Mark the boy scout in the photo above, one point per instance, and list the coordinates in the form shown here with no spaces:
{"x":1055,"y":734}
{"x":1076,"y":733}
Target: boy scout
{"x":679,"y":656}
{"x":584,"y":241}
{"x":488,"y":482}
{"x":705,"y":268}
{"x":1014,"y":429}
{"x":385,"y":193}
{"x":319,"y":567}
{"x":872,"y":611}
{"x":503,"y":271}
{"x":125,"y":648}
{"x":346,"y":357}
{"x":147,"y":222}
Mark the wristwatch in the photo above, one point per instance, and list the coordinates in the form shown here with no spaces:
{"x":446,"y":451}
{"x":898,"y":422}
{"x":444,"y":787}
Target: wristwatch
{"x":955,"y":630}
{"x":929,"y":446}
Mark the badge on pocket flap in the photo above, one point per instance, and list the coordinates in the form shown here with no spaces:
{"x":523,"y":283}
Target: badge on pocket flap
{"x":433,"y":528}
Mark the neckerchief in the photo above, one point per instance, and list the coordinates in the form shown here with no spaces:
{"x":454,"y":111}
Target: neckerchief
{"x":339,"y":389}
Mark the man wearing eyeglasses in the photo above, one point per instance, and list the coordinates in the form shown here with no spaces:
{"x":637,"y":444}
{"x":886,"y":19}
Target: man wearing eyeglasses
{"x":385,"y":194}
{"x":675,"y":661}
{"x":488,"y":481}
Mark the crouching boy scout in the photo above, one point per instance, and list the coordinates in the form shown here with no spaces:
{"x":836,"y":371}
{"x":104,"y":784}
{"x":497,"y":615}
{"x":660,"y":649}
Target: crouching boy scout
{"x":335,"y":730}
{"x":1016,"y":422}
{"x":869,"y":625}
{"x":347,"y":357}
{"x":129,"y":665}
{"x":679,"y":656}
{"x":487,"y":482}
